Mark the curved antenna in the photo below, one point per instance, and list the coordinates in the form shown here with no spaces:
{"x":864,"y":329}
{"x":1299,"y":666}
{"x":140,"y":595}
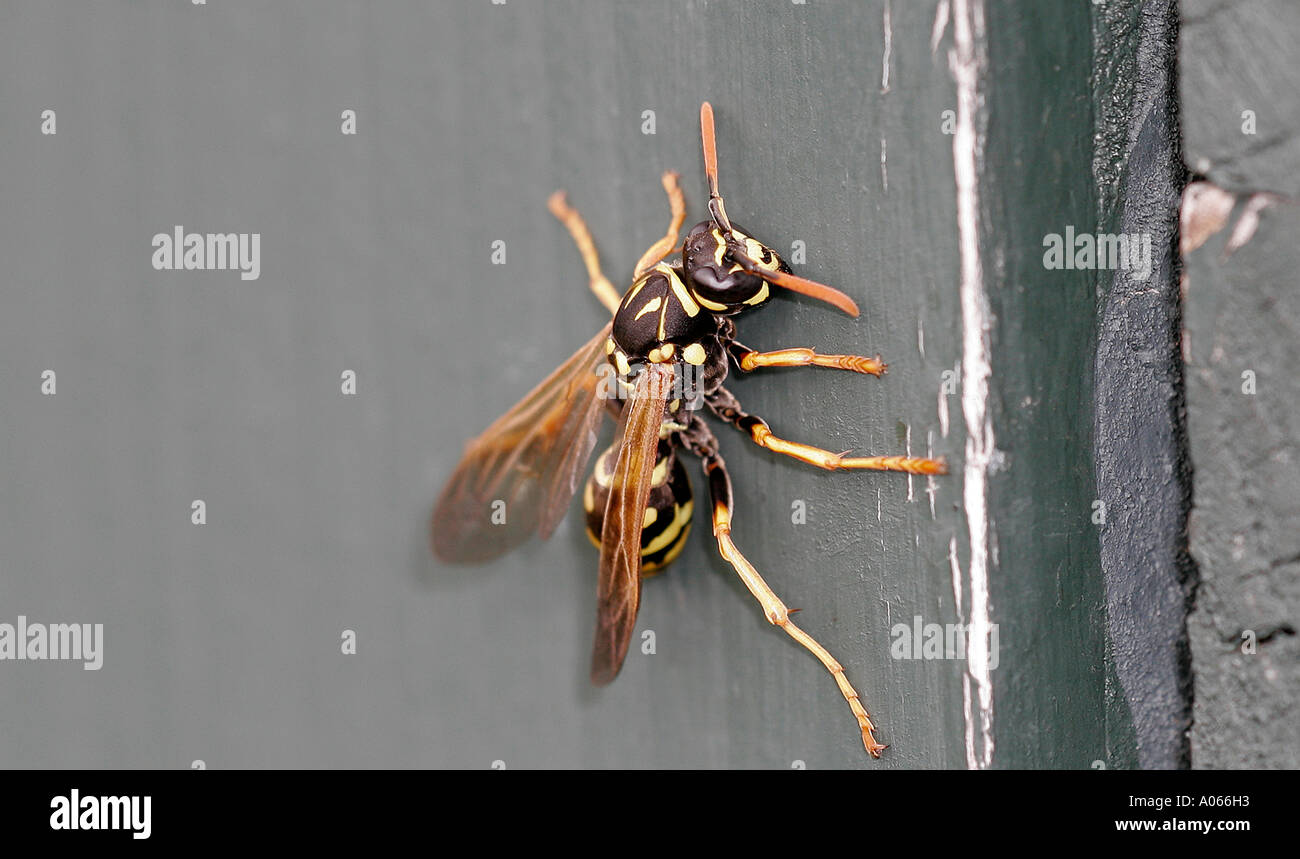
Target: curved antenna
{"x":801,"y":285}
{"x":716,"y":209}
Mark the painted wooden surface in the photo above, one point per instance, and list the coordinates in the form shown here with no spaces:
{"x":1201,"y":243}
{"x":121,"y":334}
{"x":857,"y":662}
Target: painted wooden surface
{"x":1143,"y":473}
{"x":223,"y":640}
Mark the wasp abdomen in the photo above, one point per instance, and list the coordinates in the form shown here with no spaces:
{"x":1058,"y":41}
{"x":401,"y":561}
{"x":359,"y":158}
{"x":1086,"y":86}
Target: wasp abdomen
{"x":668,"y":511}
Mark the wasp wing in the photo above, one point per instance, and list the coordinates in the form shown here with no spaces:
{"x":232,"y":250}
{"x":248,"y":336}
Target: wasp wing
{"x":618,"y":593}
{"x":531,"y":458}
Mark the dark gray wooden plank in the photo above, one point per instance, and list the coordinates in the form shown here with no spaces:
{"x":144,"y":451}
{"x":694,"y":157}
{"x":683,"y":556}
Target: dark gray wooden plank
{"x":1238,"y":78}
{"x":1240,"y":344}
{"x":1242,"y":395}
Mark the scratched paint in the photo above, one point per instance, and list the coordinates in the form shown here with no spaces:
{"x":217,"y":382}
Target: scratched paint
{"x":965,"y":61}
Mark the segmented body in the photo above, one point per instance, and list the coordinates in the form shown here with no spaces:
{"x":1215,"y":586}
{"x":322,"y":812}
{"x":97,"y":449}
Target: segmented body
{"x":662,"y":320}
{"x":668,"y":512}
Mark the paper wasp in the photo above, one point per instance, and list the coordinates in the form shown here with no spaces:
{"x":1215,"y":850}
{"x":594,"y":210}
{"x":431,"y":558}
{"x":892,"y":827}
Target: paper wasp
{"x":670,"y":345}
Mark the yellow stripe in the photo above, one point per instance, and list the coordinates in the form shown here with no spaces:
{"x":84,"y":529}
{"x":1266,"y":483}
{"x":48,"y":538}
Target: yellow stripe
{"x":673,"y":529}
{"x":709,"y":304}
{"x":650,"y":307}
{"x":675,"y":550}
{"x":636,"y":287}
{"x":679,"y":290}
{"x":755,"y":251}
{"x":760,"y":297}
{"x":720,"y":246}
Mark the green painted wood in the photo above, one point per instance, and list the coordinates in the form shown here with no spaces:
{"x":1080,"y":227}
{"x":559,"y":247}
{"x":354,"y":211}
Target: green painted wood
{"x":1046,"y":587}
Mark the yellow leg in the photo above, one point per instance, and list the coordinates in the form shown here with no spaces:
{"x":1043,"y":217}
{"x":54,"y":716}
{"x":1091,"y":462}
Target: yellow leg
{"x":777,"y":613}
{"x":569,"y":216}
{"x":661,"y":248}
{"x":724,"y":405}
{"x":763,"y":437}
{"x":773,"y":608}
{"x":801,"y":357}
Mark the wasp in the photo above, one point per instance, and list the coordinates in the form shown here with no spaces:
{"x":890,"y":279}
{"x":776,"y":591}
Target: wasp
{"x":657,"y":367}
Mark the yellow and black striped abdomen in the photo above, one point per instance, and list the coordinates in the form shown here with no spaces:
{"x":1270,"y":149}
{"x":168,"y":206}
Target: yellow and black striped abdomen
{"x":668,"y":511}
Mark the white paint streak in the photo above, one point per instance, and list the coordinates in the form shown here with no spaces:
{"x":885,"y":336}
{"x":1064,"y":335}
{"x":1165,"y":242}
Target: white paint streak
{"x":1244,"y":231}
{"x":958,"y":588}
{"x":965,"y":60}
{"x":884,"y":168}
{"x":940,"y":24}
{"x":931,"y":485}
{"x":908,"y":432}
{"x":943,"y":410}
{"x":969,"y":713}
{"x":889,"y":49}
{"x":920,"y":336}
{"x":955,"y":570}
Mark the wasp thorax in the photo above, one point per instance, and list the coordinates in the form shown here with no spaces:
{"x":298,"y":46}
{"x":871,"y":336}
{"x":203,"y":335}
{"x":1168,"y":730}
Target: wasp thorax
{"x":718,"y":280}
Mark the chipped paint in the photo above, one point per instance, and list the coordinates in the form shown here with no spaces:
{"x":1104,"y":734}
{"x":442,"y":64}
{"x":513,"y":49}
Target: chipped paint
{"x":954,"y":570}
{"x":884,"y":168}
{"x":910,"y":495}
{"x":943,"y":411}
{"x":1206,"y":209}
{"x":940,"y":24}
{"x":1244,"y":231}
{"x":931,"y":485}
{"x":966,"y":61}
{"x":889,"y":48}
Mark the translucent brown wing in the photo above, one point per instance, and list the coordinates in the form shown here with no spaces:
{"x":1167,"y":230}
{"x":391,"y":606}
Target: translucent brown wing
{"x":532,"y":459}
{"x":618,"y":593}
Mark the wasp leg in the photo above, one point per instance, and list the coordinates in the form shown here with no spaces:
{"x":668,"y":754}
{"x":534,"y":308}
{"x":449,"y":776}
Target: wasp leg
{"x":569,"y":216}
{"x":727,"y":407}
{"x":664,"y":246}
{"x":773,"y":608}
{"x":748,"y":359}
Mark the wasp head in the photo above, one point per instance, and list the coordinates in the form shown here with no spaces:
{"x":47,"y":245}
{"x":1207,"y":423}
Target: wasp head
{"x":725,"y":268}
